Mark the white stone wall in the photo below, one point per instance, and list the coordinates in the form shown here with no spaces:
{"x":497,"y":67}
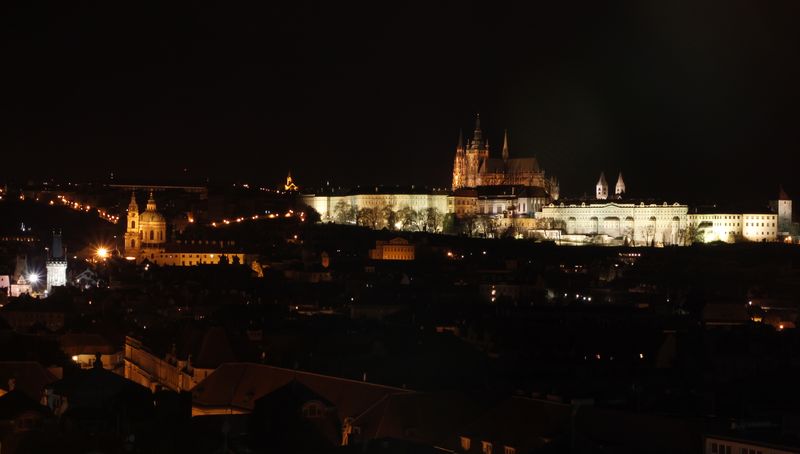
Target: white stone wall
{"x":641,"y":223}
{"x":760,"y":227}
{"x":730,"y":227}
{"x":325,"y":204}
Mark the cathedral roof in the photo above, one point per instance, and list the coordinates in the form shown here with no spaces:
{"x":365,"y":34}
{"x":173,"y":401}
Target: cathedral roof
{"x":513,"y":165}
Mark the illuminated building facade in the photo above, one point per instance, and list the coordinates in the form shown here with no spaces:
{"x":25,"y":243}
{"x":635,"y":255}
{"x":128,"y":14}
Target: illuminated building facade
{"x":473,"y":167}
{"x":56,"y":264}
{"x":330,"y":204}
{"x":395,"y":249}
{"x":637,"y":223}
{"x":146,"y":239}
{"x":732,"y":227}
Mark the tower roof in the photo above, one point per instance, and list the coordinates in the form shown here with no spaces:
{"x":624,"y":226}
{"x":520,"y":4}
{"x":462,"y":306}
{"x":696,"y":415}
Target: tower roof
{"x":133,"y":206}
{"x":782,"y":194}
{"x":58,"y":249}
{"x":460,"y":140}
{"x":602,"y":180}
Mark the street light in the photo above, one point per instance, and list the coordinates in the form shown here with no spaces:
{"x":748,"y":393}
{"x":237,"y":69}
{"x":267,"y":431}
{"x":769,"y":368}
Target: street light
{"x":102,"y":252}
{"x":33,"y":278}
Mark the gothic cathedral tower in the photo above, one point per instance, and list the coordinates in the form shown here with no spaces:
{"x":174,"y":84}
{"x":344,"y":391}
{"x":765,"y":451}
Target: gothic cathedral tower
{"x":469,"y":159}
{"x":132,"y":237}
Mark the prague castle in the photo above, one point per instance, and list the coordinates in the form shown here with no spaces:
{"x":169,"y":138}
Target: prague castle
{"x":514,"y":194}
{"x":473,"y":166}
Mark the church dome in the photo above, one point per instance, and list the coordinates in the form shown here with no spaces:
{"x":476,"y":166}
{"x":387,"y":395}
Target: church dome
{"x":151,"y":217}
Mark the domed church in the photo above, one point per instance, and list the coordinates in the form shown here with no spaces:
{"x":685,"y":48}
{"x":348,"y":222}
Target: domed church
{"x":146,"y":239}
{"x":146,"y":231}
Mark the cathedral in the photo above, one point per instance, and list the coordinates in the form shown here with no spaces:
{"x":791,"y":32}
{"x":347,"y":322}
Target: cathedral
{"x":474,"y":167}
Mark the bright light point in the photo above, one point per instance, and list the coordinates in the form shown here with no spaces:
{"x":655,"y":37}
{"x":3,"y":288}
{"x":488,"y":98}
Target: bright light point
{"x":33,"y":278}
{"x":641,"y":355}
{"x":75,"y":358}
{"x":102,"y":252}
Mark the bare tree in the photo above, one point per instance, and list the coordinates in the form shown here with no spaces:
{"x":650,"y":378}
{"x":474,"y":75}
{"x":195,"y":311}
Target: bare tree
{"x":430,"y":219}
{"x":408,"y":218}
{"x":388,"y":217}
{"x":344,"y":213}
{"x":368,"y":217}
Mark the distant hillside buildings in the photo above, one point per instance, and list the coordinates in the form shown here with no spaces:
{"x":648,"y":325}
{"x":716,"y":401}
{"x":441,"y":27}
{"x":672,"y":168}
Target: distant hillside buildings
{"x":506,"y":196}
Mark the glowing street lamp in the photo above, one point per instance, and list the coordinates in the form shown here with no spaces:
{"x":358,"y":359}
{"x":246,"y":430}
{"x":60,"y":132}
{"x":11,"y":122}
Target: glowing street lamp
{"x":102,"y":252}
{"x":33,"y":278}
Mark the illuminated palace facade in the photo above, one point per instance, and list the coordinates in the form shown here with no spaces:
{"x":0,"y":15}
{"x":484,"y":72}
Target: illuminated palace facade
{"x":146,"y":239}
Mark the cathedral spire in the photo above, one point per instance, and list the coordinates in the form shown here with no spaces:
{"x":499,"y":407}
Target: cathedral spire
{"x":460,"y":139}
{"x":505,"y":145}
{"x":477,"y":135}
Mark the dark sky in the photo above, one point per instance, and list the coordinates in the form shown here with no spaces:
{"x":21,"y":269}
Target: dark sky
{"x":689,"y":99}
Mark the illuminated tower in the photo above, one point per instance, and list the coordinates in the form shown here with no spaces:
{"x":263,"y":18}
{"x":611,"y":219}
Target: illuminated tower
{"x":784,"y":214}
{"x":458,"y":164}
{"x":133,"y":240}
{"x":505,"y":145}
{"x":290,"y":186}
{"x":476,"y":153}
{"x":56,"y":264}
{"x":601,"y":190}
{"x":619,"y":189}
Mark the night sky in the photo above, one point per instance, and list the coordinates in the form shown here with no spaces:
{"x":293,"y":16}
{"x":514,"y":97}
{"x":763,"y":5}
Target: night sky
{"x":693,"y":100}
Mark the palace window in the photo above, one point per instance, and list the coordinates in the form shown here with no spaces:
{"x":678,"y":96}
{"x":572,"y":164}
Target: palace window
{"x":486,"y":447}
{"x":466,"y":443}
{"x":151,"y":234}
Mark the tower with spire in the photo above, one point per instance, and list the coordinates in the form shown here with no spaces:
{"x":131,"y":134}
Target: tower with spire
{"x":619,"y":188}
{"x":601,"y":189}
{"x":476,"y":153}
{"x":474,"y":167}
{"x":133,"y":238}
{"x":56,"y":264}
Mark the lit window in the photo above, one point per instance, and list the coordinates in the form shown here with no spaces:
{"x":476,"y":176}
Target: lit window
{"x":486,"y":447}
{"x":466,"y":443}
{"x":509,"y":450}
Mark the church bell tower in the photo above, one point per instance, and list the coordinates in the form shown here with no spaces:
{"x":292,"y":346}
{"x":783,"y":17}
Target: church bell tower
{"x":132,"y":237}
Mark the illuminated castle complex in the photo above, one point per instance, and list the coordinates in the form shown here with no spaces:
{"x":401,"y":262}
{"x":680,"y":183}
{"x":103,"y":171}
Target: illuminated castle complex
{"x":474,"y":167}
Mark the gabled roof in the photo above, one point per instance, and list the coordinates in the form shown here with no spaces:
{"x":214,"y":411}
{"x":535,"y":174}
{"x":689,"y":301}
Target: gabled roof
{"x":512,"y":165}
{"x":16,"y":402}
{"x":522,"y":423}
{"x":87,"y":344}
{"x":239,"y":385}
{"x":430,"y":418}
{"x":29,"y":377}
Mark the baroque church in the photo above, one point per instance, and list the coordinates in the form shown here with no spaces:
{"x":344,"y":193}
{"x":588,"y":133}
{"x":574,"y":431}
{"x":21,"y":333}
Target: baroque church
{"x":146,"y":239}
{"x":473,"y":167}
